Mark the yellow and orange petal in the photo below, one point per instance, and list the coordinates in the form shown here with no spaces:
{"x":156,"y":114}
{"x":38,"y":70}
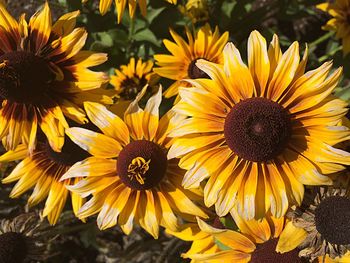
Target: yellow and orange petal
{"x":44,"y":75}
{"x":202,"y":242}
{"x":129,"y":179}
{"x":256,"y":240}
{"x":42,"y":171}
{"x":180,"y":65}
{"x":259,"y":138}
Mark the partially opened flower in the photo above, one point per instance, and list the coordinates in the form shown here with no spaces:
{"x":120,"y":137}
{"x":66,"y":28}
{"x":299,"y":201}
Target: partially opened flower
{"x":181,"y":64}
{"x":129,"y":80}
{"x":22,"y":239}
{"x":44,"y":77}
{"x":340,"y":21}
{"x":259,"y":133}
{"x":326,"y":222}
{"x":258,"y":241}
{"x":42,"y":170}
{"x":196,"y":10}
{"x":129,"y":176}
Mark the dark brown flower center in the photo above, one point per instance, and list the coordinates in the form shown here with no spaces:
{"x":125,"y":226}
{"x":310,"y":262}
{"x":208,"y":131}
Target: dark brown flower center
{"x":332,"y":218}
{"x":142,"y":165}
{"x":194,"y":72}
{"x":266,"y":253}
{"x":13,"y":248}
{"x":24,"y":77}
{"x":131,"y":87}
{"x":257,"y":129}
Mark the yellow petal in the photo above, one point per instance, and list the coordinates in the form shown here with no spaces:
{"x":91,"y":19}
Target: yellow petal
{"x":290,"y":238}
{"x":97,"y":144}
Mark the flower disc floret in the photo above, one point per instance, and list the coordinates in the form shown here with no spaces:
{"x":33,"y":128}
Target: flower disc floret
{"x":257,"y":129}
{"x":142,"y":165}
{"x":24,"y":77}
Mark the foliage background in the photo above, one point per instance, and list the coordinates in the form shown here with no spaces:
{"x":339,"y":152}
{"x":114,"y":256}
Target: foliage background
{"x":142,"y":37}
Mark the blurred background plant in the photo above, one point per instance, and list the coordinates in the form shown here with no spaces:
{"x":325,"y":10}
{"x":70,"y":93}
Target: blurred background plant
{"x":141,"y":37}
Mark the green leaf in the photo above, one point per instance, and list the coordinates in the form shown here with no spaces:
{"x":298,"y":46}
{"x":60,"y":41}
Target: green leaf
{"x":147,"y":36}
{"x":154,"y":13}
{"x":228,"y":223}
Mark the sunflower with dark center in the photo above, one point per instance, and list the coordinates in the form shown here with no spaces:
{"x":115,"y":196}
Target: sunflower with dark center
{"x":181,"y":64}
{"x":339,"y":10}
{"x":129,"y":177}
{"x":259,"y":241}
{"x":44,"y":77}
{"x":325,"y":219}
{"x":129,"y":80}
{"x":22,"y":239}
{"x":42,"y":170}
{"x":258,"y":138}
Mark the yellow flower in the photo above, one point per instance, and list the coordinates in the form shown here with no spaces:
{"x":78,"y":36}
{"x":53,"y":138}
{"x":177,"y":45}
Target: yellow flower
{"x":340,"y":21}
{"x":129,"y":176}
{"x":42,"y":170}
{"x":44,"y":77}
{"x":258,"y":241}
{"x":260,"y":132}
{"x":181,"y":63}
{"x":129,"y":81}
{"x":196,"y":10}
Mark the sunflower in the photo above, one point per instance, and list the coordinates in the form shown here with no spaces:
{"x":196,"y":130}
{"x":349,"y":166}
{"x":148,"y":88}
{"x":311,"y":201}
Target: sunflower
{"x":181,"y":64}
{"x":22,"y":239}
{"x":325,"y":218}
{"x":202,"y":242}
{"x":43,"y":170}
{"x":258,"y":241}
{"x":340,"y":21}
{"x":44,"y":76}
{"x":129,"y":80}
{"x":261,"y":136}
{"x":129,"y":175}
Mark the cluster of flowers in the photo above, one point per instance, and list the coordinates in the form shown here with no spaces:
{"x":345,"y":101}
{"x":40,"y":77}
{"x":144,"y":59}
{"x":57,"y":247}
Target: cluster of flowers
{"x":239,"y":145}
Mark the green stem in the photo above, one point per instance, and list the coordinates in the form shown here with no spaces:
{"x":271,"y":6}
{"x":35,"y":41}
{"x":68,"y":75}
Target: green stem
{"x":321,"y":39}
{"x":130,"y":36}
{"x":325,"y":57}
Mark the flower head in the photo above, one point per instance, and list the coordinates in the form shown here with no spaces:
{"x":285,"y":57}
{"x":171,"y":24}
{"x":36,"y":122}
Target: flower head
{"x":181,"y":64}
{"x":259,"y":132}
{"x":340,"y":21}
{"x":325,"y":218}
{"x":42,"y":170}
{"x":44,"y":77}
{"x":129,"y":176}
{"x":129,"y":80}
{"x":196,"y":10}
{"x":22,"y":239}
